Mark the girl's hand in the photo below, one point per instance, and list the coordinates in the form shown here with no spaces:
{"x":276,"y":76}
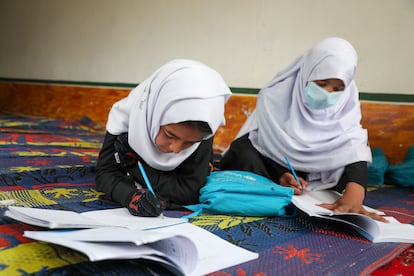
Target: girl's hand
{"x":144,"y":204}
{"x":288,"y":180}
{"x":351,"y":202}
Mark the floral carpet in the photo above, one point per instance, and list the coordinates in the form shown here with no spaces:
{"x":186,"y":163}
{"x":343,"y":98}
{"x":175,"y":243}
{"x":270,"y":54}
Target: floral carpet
{"x":48,"y":163}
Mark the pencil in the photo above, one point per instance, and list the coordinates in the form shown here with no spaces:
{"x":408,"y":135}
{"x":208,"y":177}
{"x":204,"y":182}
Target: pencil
{"x":293,"y":172}
{"x":148,"y":183}
{"x":144,"y":175}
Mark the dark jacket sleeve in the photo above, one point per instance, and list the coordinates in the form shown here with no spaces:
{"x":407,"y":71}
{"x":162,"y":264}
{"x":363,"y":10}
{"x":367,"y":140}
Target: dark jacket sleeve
{"x":178,"y":187}
{"x":354,"y":172}
{"x":110,"y":178}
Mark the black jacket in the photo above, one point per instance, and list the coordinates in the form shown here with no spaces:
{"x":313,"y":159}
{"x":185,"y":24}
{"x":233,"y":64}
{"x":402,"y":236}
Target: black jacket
{"x":242,"y":155}
{"x":178,"y":187}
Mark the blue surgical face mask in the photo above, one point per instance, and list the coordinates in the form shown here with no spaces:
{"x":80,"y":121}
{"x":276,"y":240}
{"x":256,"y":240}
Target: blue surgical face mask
{"x":318,"y":98}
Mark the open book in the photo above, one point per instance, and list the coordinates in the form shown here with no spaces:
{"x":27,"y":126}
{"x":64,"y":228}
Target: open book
{"x":373,"y":230}
{"x":119,"y":217}
{"x":185,"y":248}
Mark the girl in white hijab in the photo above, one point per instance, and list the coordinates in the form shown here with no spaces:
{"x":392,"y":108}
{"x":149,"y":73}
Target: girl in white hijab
{"x":167,"y":124}
{"x":310,"y":113}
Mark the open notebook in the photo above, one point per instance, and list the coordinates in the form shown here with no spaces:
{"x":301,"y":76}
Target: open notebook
{"x":119,"y":217}
{"x":185,"y":248}
{"x":373,"y":230}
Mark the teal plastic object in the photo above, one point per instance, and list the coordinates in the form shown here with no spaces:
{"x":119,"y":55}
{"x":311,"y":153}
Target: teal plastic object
{"x":242,"y":193}
{"x":378,"y":167}
{"x":402,"y":174}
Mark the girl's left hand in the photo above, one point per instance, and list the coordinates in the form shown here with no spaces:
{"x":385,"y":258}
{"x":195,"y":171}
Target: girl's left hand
{"x":351,"y":202}
{"x":340,"y":208}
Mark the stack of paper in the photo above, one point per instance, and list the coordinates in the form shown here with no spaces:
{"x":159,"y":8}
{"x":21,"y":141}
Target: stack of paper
{"x":119,"y":217}
{"x":173,"y":241}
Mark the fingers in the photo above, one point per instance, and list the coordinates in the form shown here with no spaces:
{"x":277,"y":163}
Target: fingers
{"x":152,"y":205}
{"x":374,"y":216}
{"x":328,"y":206}
{"x":303,"y":183}
{"x":288,"y":180}
{"x":337,"y":208}
{"x":143,"y":203}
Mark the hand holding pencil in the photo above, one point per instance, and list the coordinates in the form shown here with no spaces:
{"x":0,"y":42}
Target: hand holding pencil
{"x":144,"y":202}
{"x":290,"y":179}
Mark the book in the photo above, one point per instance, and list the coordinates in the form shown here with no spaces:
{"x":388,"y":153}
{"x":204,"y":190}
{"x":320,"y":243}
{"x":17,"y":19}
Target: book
{"x":185,"y":248}
{"x":373,"y":230}
{"x":119,"y":217}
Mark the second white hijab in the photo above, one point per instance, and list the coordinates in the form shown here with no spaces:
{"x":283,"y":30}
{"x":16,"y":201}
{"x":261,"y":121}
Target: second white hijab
{"x":320,"y":142}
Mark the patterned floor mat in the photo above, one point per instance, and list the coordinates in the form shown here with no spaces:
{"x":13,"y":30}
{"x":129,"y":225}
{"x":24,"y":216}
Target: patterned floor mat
{"x":49,"y":163}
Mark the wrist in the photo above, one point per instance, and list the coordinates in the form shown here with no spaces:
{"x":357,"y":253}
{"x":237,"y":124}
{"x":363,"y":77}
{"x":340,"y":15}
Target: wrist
{"x":354,"y":191}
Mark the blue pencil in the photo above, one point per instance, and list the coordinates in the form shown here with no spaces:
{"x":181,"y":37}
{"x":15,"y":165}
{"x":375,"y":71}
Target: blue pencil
{"x":148,"y":183}
{"x":293,"y":170}
{"x":144,"y":175}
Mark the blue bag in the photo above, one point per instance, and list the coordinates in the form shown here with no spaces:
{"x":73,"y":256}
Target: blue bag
{"x":242,"y":193}
{"x":376,"y":170}
{"x":402,"y":174}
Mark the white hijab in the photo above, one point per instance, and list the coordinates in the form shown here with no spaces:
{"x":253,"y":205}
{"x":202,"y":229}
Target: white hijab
{"x":320,"y":142}
{"x":181,"y":90}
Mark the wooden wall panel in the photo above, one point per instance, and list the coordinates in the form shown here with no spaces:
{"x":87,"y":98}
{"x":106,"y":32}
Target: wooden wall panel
{"x":59,"y":101}
{"x":390,"y":126}
{"x":237,"y":109}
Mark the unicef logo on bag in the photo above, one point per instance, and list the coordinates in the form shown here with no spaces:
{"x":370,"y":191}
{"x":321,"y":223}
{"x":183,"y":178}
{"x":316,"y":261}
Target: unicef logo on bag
{"x":230,"y":174}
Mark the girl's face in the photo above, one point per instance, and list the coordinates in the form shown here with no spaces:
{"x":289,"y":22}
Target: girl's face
{"x":177,"y":137}
{"x":331,"y":85}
